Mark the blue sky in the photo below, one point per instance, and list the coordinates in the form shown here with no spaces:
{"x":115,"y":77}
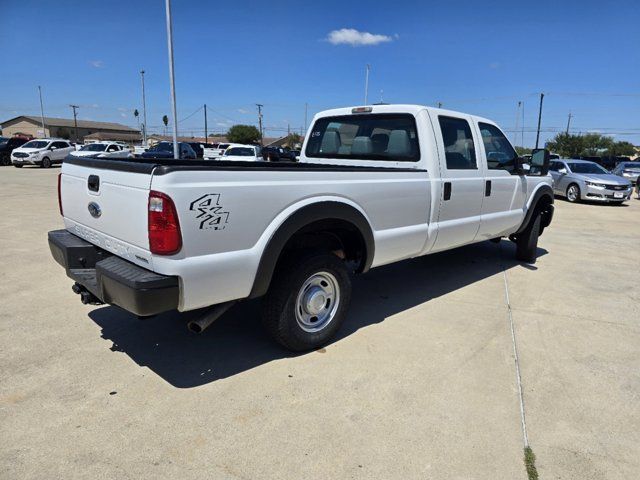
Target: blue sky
{"x":478,"y":57}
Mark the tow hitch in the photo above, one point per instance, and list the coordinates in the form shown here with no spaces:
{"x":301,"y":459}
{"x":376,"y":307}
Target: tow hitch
{"x":86,"y":297}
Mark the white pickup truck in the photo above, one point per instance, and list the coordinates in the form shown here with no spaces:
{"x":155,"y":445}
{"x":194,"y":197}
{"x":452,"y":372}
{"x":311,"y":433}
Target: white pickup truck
{"x":374,"y":185}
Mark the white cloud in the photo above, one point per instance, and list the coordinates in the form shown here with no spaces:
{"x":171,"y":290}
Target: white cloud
{"x":97,"y":63}
{"x":123,"y":115}
{"x":243,"y":111}
{"x":355,"y":38}
{"x":122,"y":109}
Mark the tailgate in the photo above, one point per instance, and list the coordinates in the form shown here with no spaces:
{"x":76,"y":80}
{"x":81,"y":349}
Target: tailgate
{"x":106,"y":205}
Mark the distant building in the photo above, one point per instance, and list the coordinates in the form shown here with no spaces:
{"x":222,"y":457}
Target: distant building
{"x":62,"y":128}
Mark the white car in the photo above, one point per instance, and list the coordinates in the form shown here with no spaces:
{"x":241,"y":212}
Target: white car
{"x":104,"y":150}
{"x":243,"y":153}
{"x":374,"y":185}
{"x":43,"y":151}
{"x":218,"y":150}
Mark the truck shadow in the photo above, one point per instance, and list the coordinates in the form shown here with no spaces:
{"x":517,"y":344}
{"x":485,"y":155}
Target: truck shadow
{"x":236,"y":342}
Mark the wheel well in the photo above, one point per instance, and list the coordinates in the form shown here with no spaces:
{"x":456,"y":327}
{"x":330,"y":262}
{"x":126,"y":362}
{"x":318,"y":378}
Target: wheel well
{"x":330,"y":226}
{"x":333,"y":235}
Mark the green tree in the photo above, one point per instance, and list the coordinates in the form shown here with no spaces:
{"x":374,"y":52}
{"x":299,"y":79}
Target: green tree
{"x":595,"y":144}
{"x":567,"y":145}
{"x":243,"y":134}
{"x":622,"y":149}
{"x":165,"y":120}
{"x":522,"y":151}
{"x":293,"y":140}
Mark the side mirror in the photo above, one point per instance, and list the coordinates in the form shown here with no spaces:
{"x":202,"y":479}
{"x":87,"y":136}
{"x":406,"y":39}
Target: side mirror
{"x":563,"y":171}
{"x":53,"y":148}
{"x":540,"y":161}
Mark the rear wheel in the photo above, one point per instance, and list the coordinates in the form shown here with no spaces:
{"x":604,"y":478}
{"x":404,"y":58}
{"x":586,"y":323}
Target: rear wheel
{"x":527,"y":241}
{"x":46,"y":163}
{"x":307,"y":300}
{"x":18,"y":166}
{"x":573,"y":193}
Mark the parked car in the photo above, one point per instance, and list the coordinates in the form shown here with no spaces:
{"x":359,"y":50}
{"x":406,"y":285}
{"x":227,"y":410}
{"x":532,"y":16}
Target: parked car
{"x":198,"y":148}
{"x":7,"y":145}
{"x":44,"y":152}
{"x":277,"y":154}
{"x":208,"y":234}
{"x":216,"y":150}
{"x":628,"y":170}
{"x":245,"y":153}
{"x":138,"y":150}
{"x":103,"y":150}
{"x":583,"y":180}
{"x":165,"y":150}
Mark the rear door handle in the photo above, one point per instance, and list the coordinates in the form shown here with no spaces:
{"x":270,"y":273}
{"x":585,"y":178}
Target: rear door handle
{"x":487,"y":188}
{"x":447,"y":190}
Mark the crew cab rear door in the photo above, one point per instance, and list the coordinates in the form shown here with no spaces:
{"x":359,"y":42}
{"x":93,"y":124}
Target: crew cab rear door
{"x":462,"y":180}
{"x":105,"y":202}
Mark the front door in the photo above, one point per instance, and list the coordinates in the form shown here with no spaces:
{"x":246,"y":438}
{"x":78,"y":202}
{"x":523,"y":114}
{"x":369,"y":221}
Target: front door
{"x":504,"y":189}
{"x":462,"y":182}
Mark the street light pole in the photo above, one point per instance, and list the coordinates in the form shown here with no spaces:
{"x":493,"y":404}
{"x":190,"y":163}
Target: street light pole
{"x":172,"y":80}
{"x":539,"y":119}
{"x":366,"y":84}
{"x":75,"y":121}
{"x":144,"y":112}
{"x":44,"y":132}
{"x":205,"y":123}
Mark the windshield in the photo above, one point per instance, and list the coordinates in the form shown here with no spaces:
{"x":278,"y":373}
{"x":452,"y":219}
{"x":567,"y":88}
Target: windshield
{"x":94,"y":147}
{"x":587,"y":168}
{"x":629,"y":166}
{"x":162,"y":147}
{"x":239,"y":151}
{"x":35,"y":144}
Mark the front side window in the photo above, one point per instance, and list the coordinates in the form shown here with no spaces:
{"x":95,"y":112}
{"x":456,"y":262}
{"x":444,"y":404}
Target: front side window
{"x":459,"y":149}
{"x":587,"y":168}
{"x":60,"y":145}
{"x":500,"y":154}
{"x":390,"y":137}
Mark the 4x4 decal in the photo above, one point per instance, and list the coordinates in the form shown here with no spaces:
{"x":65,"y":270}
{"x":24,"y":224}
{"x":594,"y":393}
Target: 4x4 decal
{"x":210,"y":212}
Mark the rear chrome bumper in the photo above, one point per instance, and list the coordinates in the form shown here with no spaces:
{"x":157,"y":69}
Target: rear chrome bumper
{"x":112,"y":279}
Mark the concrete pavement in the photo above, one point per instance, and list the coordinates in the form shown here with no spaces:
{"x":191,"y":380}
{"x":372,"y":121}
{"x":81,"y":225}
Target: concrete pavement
{"x":420,"y":383}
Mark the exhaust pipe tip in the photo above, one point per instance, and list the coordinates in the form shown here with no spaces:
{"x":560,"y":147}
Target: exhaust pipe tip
{"x":194,"y":327}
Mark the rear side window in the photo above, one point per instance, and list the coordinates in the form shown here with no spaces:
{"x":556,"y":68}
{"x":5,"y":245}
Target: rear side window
{"x":500,"y":154}
{"x":390,"y":137}
{"x":459,"y":149}
{"x":60,"y":144}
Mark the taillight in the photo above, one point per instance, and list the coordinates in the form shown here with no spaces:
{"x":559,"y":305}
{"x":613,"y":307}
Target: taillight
{"x":60,"y":194}
{"x":164,"y":228}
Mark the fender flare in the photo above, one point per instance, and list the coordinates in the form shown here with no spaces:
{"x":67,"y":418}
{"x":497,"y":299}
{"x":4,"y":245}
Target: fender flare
{"x":326,"y":210}
{"x":543,"y":191}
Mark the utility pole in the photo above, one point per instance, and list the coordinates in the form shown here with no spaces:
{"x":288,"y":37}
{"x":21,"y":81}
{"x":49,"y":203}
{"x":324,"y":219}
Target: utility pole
{"x":522,"y":137}
{"x":176,"y":153}
{"x":259,"y":105}
{"x":539,"y":119}
{"x":439,"y":104}
{"x":44,"y":132}
{"x":515,"y":130}
{"x":205,"y":124}
{"x":75,"y":121}
{"x":144,"y":112}
{"x":568,"y":123}
{"x":366,"y":84}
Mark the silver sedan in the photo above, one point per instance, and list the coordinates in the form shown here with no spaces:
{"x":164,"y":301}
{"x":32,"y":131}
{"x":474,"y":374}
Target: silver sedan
{"x":583,"y":180}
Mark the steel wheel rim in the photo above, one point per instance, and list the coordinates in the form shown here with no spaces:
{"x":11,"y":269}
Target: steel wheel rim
{"x":573,"y":193}
{"x":317,"y":302}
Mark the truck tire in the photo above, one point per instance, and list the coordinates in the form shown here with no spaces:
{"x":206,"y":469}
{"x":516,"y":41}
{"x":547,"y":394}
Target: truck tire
{"x":307,"y":300}
{"x":527,"y":241}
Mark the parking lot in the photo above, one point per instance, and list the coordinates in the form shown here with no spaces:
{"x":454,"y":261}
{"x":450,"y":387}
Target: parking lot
{"x":420,"y":384}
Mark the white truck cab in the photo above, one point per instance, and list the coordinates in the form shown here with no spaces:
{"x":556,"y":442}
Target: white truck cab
{"x":374,"y":185}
